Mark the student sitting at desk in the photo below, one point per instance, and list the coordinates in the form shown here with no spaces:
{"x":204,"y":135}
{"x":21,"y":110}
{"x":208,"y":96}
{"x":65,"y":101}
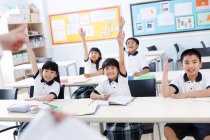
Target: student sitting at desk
{"x":191,"y":84}
{"x":47,"y":83}
{"x":117,"y":85}
{"x":135,"y":62}
{"x":93,"y":60}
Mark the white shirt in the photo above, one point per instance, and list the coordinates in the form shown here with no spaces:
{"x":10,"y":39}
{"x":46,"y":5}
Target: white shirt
{"x":41,"y":88}
{"x":183,"y":84}
{"x":114,"y":88}
{"x":91,"y":67}
{"x":135,"y":62}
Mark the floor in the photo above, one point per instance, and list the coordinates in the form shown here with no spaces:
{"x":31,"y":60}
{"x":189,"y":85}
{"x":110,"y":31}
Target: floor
{"x":8,"y":135}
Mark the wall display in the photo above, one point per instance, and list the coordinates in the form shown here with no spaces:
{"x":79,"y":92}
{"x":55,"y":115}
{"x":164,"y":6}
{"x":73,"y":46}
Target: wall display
{"x":172,"y":16}
{"x":99,"y":24}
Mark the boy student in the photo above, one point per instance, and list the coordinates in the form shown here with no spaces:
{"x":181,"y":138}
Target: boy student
{"x":135,"y":62}
{"x":116,"y":85}
{"x":191,"y":84}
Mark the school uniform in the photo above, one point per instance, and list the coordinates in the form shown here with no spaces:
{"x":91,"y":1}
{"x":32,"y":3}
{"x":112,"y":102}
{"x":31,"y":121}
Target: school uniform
{"x":41,"y":88}
{"x":183,"y":84}
{"x":119,"y":131}
{"x":90,"y":67}
{"x":135,"y":62}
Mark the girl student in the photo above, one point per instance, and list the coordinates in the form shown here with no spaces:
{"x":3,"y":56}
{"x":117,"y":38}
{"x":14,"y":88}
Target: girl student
{"x":47,"y":82}
{"x":93,"y":59}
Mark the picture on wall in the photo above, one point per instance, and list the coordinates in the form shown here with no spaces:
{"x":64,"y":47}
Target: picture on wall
{"x":171,"y":16}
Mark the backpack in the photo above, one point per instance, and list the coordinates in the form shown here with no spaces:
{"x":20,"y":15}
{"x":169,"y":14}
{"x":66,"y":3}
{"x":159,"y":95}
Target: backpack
{"x":82,"y":92}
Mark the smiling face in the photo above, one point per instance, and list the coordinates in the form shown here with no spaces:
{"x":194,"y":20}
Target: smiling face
{"x":94,"y":56}
{"x":191,"y":65}
{"x":111,"y":72}
{"x":132,"y":46}
{"x":49,"y":75}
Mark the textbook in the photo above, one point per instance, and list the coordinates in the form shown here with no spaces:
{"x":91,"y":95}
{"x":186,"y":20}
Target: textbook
{"x":144,"y":77}
{"x":45,"y":127}
{"x":115,"y":100}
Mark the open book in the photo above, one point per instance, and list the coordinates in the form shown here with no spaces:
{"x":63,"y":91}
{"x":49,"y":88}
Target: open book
{"x":115,"y":100}
{"x":45,"y":127}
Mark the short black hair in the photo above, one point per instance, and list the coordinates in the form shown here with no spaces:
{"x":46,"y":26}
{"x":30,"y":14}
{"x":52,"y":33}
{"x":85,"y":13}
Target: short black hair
{"x":134,"y":39}
{"x":190,"y":52}
{"x":50,"y":65}
{"x":110,"y":62}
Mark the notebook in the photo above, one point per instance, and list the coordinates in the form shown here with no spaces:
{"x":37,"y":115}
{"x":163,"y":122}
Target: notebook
{"x":115,"y":100}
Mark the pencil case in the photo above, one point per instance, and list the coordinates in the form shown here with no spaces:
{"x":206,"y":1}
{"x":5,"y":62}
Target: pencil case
{"x":22,"y":108}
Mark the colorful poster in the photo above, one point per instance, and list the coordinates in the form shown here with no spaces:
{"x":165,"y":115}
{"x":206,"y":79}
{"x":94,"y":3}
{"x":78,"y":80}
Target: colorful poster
{"x":184,"y":23}
{"x":203,"y":18}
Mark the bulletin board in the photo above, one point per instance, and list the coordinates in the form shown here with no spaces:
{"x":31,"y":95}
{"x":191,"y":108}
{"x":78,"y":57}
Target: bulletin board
{"x":171,"y":16}
{"x":99,"y":24}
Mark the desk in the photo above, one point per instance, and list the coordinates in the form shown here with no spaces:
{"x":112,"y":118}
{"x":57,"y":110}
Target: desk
{"x":64,"y":64}
{"x":141,"y":110}
{"x":205,"y":59}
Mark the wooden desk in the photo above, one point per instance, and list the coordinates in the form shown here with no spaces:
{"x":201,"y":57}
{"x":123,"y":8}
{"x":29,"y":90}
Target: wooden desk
{"x":65,"y":64}
{"x":141,"y":110}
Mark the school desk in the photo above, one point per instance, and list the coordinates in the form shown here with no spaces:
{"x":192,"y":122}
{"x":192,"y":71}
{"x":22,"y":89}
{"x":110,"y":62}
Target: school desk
{"x":141,"y":110}
{"x":65,"y":64}
{"x":205,"y":59}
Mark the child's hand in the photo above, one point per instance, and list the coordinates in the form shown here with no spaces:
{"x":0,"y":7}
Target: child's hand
{"x":104,"y":97}
{"x":82,"y":33}
{"x":179,"y":96}
{"x":165,"y":64}
{"x":121,"y":22}
{"x":120,"y":38}
{"x":136,"y":74}
{"x":87,"y":75}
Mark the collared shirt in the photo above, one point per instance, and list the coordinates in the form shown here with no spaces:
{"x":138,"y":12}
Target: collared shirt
{"x":42,"y":88}
{"x":114,"y":88}
{"x":91,"y":67}
{"x":135,"y":62}
{"x":183,"y":84}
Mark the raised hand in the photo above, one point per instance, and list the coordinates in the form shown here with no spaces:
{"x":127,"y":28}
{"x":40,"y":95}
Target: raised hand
{"x":166,"y":65}
{"x":82,"y":33}
{"x":121,"y":22}
{"x":120,"y":38}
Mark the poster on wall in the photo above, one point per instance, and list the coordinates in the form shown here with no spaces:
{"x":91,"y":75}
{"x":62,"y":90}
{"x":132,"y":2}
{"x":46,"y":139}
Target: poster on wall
{"x":171,"y":16}
{"x":99,"y":24}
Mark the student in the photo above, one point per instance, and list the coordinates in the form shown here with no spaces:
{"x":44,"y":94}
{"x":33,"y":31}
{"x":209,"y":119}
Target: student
{"x":14,"y":40}
{"x":117,"y":85}
{"x":47,"y":83}
{"x":191,"y":84}
{"x":93,"y":60}
{"x":135,"y":62}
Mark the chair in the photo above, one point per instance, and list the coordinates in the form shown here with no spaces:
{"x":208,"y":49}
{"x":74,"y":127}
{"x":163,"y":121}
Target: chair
{"x":203,"y":44}
{"x":81,"y":70}
{"x":152,"y":67}
{"x":178,"y":60}
{"x":144,"y":88}
{"x":8,"y":94}
{"x":154,"y":48}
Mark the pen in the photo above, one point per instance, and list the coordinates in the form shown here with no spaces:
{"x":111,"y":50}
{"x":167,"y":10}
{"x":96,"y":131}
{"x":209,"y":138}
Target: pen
{"x":91,"y":102}
{"x":52,"y":106}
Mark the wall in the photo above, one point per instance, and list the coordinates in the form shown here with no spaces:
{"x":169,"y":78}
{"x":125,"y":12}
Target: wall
{"x":73,"y":51}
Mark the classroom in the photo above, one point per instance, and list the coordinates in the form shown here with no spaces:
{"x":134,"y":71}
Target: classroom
{"x":69,"y":32}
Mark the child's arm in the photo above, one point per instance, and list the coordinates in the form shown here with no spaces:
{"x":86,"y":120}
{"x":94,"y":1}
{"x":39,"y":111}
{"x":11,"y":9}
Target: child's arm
{"x":120,"y":39}
{"x":32,"y":59}
{"x":82,"y":34}
{"x":99,"y":72}
{"x":144,"y":71}
{"x":193,"y":94}
{"x":166,"y":89}
{"x":49,"y":97}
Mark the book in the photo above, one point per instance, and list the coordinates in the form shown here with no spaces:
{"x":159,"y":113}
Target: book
{"x":45,"y":127}
{"x":115,"y":100}
{"x":144,"y":77}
